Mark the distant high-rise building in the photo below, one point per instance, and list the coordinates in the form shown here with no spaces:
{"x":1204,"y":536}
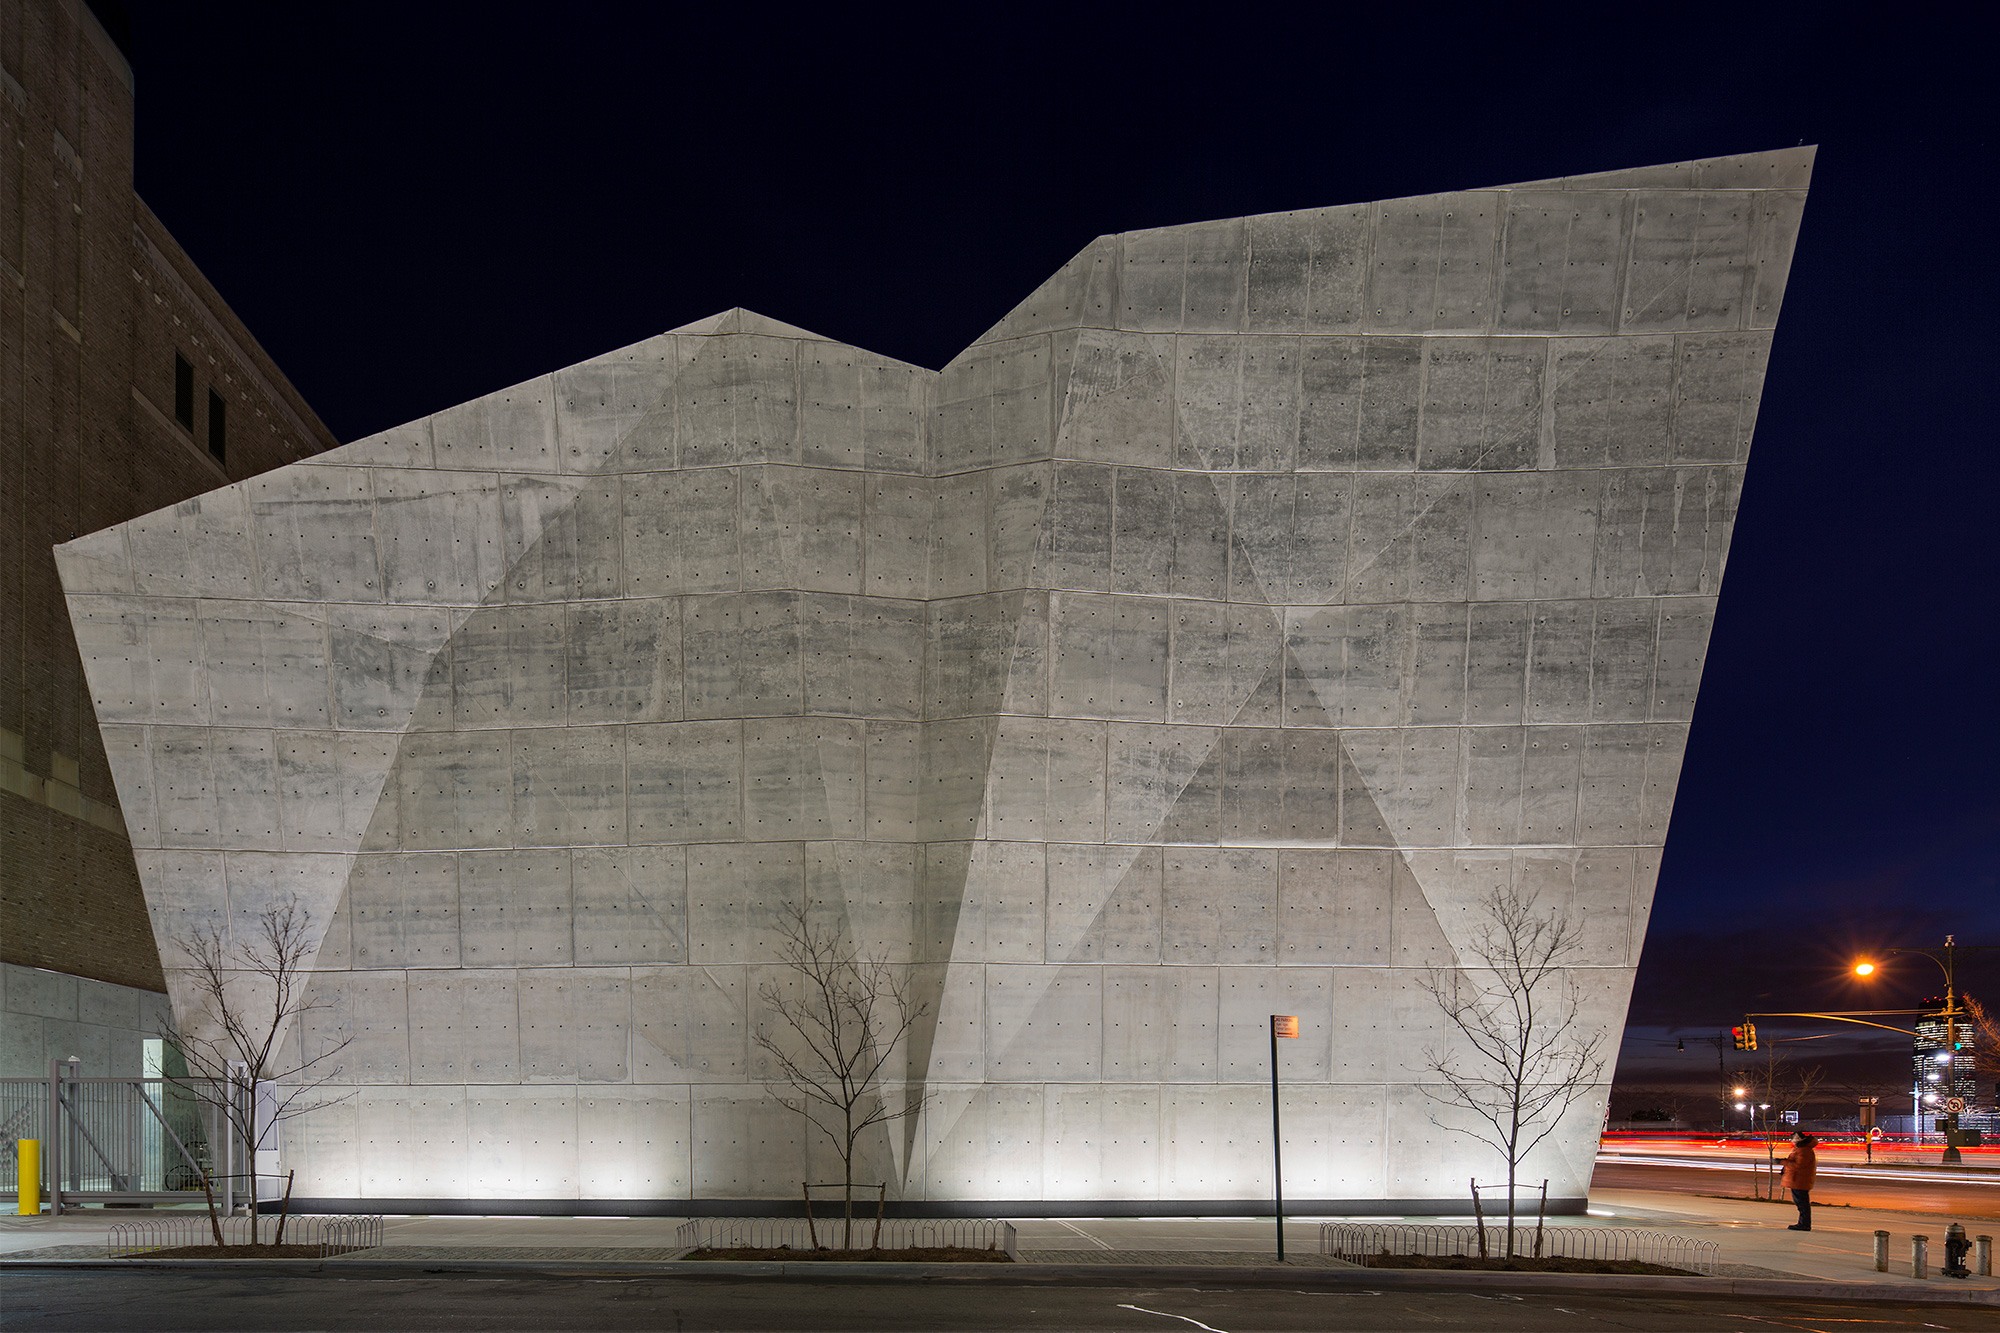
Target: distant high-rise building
{"x":125,"y":384}
{"x":1942,"y":1057}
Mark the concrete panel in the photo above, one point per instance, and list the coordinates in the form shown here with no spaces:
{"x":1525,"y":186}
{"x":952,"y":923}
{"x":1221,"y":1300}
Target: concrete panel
{"x":1043,"y":1024}
{"x":863,"y":656}
{"x":803,"y":778}
{"x":742,"y":655}
{"x":1407,"y":778}
{"x":1280,"y":786}
{"x":513,"y":430}
{"x":608,"y":409}
{"x":1550,"y":771}
{"x":1561,"y":261}
{"x":1629,"y":775}
{"x":514,"y":909}
{"x":391,"y":667}
{"x":1017,"y":528}
{"x":690,"y":1024}
{"x":1102,"y":1142}
{"x":520,"y":1142}
{"x":801,"y":529}
{"x":747,"y":1144}
{"x":417,"y":1142}
{"x":634,"y":1143}
{"x":1720,"y":380}
{"x":1482,"y":405}
{"x":438,"y":536}
{"x":680,"y":532}
{"x":1003,"y":894}
{"x":1559,"y":662}
{"x":1683,"y":632}
{"x":1160,"y":1023}
{"x":1248,"y":997}
{"x":1120,"y":405}
{"x":1205,"y":1152}
{"x":1219,"y":905}
{"x":144,"y":659}
{"x":630,"y":905}
{"x":403,"y":910}
{"x":201,"y":547}
{"x":564,"y":537}
{"x":1221,"y":655}
{"x":734,"y":893}
{"x":267,"y":665}
{"x":1611,"y":401}
{"x":1434,"y":264}
{"x":967,"y":666}
{"x":315,"y":535}
{"x":329,"y":787}
{"x":1496,"y":668}
{"x":959,"y":541}
{"x":464,"y":1026}
{"x":1154,"y":790}
{"x":684,"y":782}
{"x":1104,"y":904}
{"x":576,"y":1024}
{"x":508,"y":669}
{"x":876,"y":893}
{"x":735,"y":401}
{"x":622,"y":661}
{"x":1689,"y":266}
{"x":1080,"y":521}
{"x":1334,"y":907}
{"x":447,"y":790}
{"x":569,"y":785}
{"x":359,"y":1027}
{"x":1775,"y":235}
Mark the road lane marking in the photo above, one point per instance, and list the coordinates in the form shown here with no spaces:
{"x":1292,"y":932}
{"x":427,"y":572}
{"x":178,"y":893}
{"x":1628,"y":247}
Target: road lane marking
{"x":1164,"y":1315}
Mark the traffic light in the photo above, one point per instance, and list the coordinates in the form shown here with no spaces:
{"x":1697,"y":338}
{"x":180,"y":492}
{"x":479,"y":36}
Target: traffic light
{"x":1745,"y":1036}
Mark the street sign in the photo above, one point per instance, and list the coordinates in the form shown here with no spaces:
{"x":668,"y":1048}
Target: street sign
{"x":1954,"y":1104}
{"x":1284,"y":1025}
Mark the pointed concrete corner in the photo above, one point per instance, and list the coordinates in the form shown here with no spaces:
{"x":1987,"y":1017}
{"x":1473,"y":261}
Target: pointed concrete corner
{"x":1208,"y":640}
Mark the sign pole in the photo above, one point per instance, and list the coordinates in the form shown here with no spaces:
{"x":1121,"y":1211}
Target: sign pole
{"x":1282,"y":1025}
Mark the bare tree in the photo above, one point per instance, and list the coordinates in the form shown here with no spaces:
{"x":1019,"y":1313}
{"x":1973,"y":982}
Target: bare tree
{"x":1518,"y":1008}
{"x":1985,"y":1041}
{"x":1777,"y":1082}
{"x":837,"y":1027}
{"x":247,"y":996}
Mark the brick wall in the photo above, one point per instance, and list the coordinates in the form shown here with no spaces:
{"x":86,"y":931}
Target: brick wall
{"x":96,"y":299}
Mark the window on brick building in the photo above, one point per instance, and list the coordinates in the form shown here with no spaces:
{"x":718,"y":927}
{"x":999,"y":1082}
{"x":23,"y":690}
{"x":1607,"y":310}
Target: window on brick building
{"x":218,"y":426}
{"x":183,"y":391}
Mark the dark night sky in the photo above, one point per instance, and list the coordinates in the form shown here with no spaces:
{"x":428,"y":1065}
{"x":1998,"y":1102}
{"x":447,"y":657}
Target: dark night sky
{"x":410,"y":212}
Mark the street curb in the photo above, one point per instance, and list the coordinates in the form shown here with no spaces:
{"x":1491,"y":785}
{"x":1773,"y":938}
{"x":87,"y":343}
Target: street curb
{"x":1264,"y":1275}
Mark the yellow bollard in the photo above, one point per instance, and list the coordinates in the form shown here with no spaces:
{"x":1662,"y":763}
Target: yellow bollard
{"x":28,"y":1168}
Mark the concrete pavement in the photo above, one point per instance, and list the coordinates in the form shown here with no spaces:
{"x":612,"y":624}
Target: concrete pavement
{"x":1751,"y":1235}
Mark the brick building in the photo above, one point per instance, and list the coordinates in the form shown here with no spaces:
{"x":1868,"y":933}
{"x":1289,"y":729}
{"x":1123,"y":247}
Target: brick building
{"x":125,"y":385}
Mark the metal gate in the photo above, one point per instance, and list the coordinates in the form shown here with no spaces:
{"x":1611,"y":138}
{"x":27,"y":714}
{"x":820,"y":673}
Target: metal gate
{"x":127,"y":1140}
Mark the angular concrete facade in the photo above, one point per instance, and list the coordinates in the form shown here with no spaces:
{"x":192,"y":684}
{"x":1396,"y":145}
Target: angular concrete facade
{"x":1200,"y":644}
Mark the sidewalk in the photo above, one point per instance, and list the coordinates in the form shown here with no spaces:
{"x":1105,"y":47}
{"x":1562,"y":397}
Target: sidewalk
{"x":1751,"y":1235}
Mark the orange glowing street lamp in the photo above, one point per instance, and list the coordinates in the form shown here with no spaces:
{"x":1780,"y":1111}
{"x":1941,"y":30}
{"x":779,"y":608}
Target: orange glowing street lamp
{"x":1864,"y":968}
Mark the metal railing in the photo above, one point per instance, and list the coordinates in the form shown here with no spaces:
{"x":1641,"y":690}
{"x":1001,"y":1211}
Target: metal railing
{"x":123,"y":1140}
{"x":897,"y":1233}
{"x":1360,"y":1242}
{"x":326,"y":1236}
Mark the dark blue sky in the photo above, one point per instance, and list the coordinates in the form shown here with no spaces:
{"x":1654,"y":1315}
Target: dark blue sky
{"x":411,"y":211}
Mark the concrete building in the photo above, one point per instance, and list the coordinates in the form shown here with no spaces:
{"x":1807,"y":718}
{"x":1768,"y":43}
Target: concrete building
{"x":1204,"y":642}
{"x":125,"y":384}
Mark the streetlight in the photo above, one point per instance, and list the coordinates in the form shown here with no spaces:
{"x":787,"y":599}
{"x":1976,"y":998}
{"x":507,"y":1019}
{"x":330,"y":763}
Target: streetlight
{"x":1945,"y":961}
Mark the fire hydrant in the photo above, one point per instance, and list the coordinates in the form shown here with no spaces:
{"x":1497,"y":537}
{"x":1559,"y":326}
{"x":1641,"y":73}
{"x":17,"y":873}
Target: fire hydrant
{"x":1956,"y":1247}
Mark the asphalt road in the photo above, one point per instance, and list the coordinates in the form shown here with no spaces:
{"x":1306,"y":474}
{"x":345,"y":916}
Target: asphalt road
{"x":141,"y":1302}
{"x":1910,"y":1191}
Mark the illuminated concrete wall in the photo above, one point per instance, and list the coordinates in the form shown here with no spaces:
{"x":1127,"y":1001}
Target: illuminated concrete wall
{"x":1199,"y":644}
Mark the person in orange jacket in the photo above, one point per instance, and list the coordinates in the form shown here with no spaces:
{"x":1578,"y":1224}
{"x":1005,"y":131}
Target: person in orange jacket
{"x":1800,"y":1168}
